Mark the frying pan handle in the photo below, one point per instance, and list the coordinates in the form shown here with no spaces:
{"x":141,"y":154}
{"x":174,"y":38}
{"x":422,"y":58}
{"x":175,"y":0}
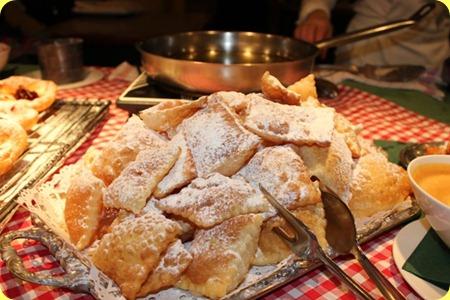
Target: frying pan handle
{"x":76,"y":277}
{"x":376,"y":30}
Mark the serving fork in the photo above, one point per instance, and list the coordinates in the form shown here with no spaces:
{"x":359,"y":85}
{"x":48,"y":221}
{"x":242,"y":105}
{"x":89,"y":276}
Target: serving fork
{"x":305,"y":245}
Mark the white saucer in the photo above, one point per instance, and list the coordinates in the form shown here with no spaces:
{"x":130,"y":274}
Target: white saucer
{"x":405,"y":243}
{"x":92,"y":75}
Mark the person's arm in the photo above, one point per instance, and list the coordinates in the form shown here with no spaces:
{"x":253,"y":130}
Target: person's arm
{"x":314,"y":20}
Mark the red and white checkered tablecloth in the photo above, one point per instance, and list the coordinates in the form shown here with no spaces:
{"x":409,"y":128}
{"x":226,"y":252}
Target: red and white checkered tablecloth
{"x":381,"y":119}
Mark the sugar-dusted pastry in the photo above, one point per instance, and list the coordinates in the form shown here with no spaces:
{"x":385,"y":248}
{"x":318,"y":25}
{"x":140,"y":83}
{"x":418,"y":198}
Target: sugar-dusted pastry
{"x":38,"y":94}
{"x":272,"y":249}
{"x":13,"y":142}
{"x":344,"y":127}
{"x":280,"y":123}
{"x":167,"y":115}
{"x":172,"y":264}
{"x":117,"y":154}
{"x":133,"y":249}
{"x":218,"y":142}
{"x":305,"y":87}
{"x":20,"y":112}
{"x":138,"y":180}
{"x":211,"y":200}
{"x":333,"y":165}
{"x":236,"y":101}
{"x":181,"y":173}
{"x":283,"y":174}
{"x":274,"y":90}
{"x":221,"y":256}
{"x":83,"y":210}
{"x":377,"y":185}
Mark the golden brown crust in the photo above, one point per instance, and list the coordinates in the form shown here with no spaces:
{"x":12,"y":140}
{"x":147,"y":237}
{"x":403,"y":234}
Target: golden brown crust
{"x":84,"y":204}
{"x":221,"y":256}
{"x":45,"y":89}
{"x":377,"y":185}
{"x":272,"y":249}
{"x":275,"y":91}
{"x":344,"y":127}
{"x":167,"y":115}
{"x":133,"y":248}
{"x":123,"y":149}
{"x":283,"y":174}
{"x":305,"y":87}
{"x":172,"y":264}
{"x":13,"y":142}
{"x":138,"y":180}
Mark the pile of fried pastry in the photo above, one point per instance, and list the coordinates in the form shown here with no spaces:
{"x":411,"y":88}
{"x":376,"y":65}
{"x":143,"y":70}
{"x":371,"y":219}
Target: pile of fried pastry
{"x":173,"y":199}
{"x":21,"y":100}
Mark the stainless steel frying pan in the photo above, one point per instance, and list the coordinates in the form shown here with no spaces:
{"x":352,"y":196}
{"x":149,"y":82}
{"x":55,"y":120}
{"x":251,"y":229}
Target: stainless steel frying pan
{"x":210,"y":61}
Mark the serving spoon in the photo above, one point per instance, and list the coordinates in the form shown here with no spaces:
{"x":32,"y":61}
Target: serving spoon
{"x":341,"y":236}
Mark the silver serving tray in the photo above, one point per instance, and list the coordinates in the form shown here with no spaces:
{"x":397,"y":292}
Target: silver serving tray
{"x":61,"y":129}
{"x":79,"y":275}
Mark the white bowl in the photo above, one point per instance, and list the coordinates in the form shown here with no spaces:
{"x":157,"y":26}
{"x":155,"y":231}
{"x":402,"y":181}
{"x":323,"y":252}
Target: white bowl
{"x":4,"y":55}
{"x":436,"y":212}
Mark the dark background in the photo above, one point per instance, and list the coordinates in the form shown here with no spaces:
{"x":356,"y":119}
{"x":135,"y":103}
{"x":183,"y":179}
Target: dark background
{"x":109,"y":38}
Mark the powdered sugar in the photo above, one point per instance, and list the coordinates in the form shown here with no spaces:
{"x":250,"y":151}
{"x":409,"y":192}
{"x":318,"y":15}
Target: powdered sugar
{"x":289,"y":124}
{"x":217,"y":141}
{"x":209,"y":201}
{"x":282,"y":172}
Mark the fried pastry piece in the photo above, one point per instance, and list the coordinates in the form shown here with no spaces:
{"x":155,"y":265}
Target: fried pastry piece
{"x":13,"y":142}
{"x":236,"y":101}
{"x":289,"y":124}
{"x":377,"y":185}
{"x":305,"y":87}
{"x":117,"y":154}
{"x":344,"y":127}
{"x":283,"y":174}
{"x":221,"y":256}
{"x":333,"y":165}
{"x":218,"y":142}
{"x":172,"y":264}
{"x":20,"y":112}
{"x":167,"y":115}
{"x":272,"y":249}
{"x":83,"y":210}
{"x":275,"y":91}
{"x":211,"y":200}
{"x":181,"y":173}
{"x":39,"y":94}
{"x":133,"y":248}
{"x":138,"y":180}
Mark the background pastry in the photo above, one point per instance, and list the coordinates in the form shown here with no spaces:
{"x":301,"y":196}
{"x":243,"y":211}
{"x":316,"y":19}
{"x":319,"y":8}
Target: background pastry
{"x":13,"y":142}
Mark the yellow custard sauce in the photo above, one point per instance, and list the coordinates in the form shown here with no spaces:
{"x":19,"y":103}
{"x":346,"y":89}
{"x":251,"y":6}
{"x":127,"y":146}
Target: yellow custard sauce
{"x":435,"y":180}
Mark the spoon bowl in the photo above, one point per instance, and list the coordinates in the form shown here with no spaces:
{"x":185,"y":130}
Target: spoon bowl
{"x":340,"y":233}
